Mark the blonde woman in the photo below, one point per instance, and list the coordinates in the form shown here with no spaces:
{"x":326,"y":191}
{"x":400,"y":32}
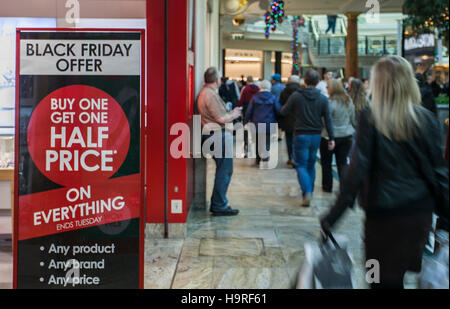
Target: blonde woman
{"x":396,"y":156}
{"x":343,"y":116}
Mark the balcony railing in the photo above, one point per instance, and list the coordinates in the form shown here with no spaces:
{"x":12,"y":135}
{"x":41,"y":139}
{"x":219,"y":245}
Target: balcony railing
{"x":367,"y":45}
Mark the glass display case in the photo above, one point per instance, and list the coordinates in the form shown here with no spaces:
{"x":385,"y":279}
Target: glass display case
{"x":6,"y":151}
{"x":6,"y":169}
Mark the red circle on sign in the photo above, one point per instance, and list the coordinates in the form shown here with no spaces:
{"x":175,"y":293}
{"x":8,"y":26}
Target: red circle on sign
{"x":78,"y":135}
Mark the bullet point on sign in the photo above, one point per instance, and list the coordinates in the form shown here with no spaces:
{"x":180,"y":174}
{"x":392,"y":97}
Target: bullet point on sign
{"x":42,"y":248}
{"x":41,"y":279}
{"x":42,"y":264}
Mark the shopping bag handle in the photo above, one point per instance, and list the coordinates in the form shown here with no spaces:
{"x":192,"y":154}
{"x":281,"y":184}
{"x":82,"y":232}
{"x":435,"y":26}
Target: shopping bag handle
{"x":328,"y":235}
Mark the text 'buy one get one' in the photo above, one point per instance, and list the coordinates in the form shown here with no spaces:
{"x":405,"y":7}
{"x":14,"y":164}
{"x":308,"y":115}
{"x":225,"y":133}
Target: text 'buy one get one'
{"x":87,"y":116}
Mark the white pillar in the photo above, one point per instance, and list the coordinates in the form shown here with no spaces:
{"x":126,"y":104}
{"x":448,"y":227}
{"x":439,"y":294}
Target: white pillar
{"x":268,"y":67}
{"x":399,"y":37}
{"x":202,"y":49}
{"x":215,"y":33}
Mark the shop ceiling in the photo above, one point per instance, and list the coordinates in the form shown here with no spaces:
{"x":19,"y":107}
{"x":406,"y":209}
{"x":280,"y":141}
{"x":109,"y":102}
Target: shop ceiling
{"x":310,"y":7}
{"x":136,"y":8}
{"x":88,"y":8}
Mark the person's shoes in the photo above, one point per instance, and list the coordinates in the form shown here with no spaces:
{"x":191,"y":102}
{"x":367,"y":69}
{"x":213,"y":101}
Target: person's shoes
{"x":290,"y":162}
{"x":306,"y":200}
{"x":225,"y":212}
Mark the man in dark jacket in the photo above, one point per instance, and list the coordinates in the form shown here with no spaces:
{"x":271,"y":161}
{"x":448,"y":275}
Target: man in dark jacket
{"x":310,"y":109}
{"x":428,"y":100}
{"x":228,"y":92}
{"x":287,"y":123}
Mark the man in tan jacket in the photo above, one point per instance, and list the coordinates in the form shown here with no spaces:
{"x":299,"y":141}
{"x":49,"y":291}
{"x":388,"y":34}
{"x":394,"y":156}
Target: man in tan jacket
{"x":214,"y":116}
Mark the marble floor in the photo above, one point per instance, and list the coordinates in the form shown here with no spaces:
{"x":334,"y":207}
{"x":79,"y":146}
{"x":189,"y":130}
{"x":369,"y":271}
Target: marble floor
{"x":262,"y":247}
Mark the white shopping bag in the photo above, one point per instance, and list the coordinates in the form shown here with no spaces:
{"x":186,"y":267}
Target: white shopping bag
{"x":435,"y":272}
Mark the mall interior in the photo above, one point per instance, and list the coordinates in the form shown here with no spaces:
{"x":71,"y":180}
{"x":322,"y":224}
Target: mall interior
{"x":186,"y":247}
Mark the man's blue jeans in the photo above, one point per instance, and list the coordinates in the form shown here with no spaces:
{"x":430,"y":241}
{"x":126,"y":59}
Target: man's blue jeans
{"x":224,"y":171}
{"x":305,"y":156}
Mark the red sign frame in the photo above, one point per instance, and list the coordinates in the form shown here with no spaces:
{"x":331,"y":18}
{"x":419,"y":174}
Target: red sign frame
{"x":142,"y":141}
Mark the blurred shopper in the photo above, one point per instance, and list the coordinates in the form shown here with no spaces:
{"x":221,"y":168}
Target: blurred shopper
{"x":350,"y":79}
{"x":426,"y":93}
{"x":287,"y":123}
{"x":302,"y":82}
{"x":263,"y":109}
{"x":214,"y":117}
{"x":360,"y":100}
{"x":246,"y":96}
{"x":358,"y":95}
{"x":394,"y":168}
{"x":343,"y":116}
{"x":322,"y":85}
{"x":429,"y":78}
{"x":331,"y":23}
{"x":229,"y":92}
{"x":436,"y":87}
{"x":366,"y":85}
{"x":243,"y":82}
{"x":345,"y":84}
{"x":277,"y":89}
{"x":310,"y":109}
{"x":277,"y":86}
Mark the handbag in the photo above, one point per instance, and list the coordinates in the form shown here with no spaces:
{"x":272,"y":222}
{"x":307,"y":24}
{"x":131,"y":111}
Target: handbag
{"x":327,"y":266}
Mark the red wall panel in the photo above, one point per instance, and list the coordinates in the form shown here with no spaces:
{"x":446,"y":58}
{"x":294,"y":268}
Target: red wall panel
{"x":177,"y":99}
{"x":155,"y":111}
{"x":180,"y":171}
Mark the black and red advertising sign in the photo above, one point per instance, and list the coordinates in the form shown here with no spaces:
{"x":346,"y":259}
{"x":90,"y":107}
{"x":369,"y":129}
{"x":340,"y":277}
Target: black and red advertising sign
{"x":78,"y":208}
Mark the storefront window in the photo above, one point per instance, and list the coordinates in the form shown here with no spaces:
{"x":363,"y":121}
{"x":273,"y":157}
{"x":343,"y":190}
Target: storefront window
{"x":286,"y":66}
{"x":391,"y":46}
{"x":8,"y":28}
{"x":375,"y":46}
{"x":8,"y":80}
{"x":242,"y":63}
{"x":362,"y":45}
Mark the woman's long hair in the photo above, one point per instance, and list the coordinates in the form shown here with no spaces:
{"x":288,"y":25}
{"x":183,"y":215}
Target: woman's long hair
{"x":337,"y":92}
{"x":358,"y":95}
{"x":394,"y":93}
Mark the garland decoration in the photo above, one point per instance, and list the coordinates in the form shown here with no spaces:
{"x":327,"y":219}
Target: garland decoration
{"x":297,"y":22}
{"x":274,"y":17}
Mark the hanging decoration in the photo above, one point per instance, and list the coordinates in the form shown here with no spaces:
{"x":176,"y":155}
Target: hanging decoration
{"x":234,"y":7}
{"x":297,"y":22}
{"x":274,"y":17}
{"x":238,"y":20}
